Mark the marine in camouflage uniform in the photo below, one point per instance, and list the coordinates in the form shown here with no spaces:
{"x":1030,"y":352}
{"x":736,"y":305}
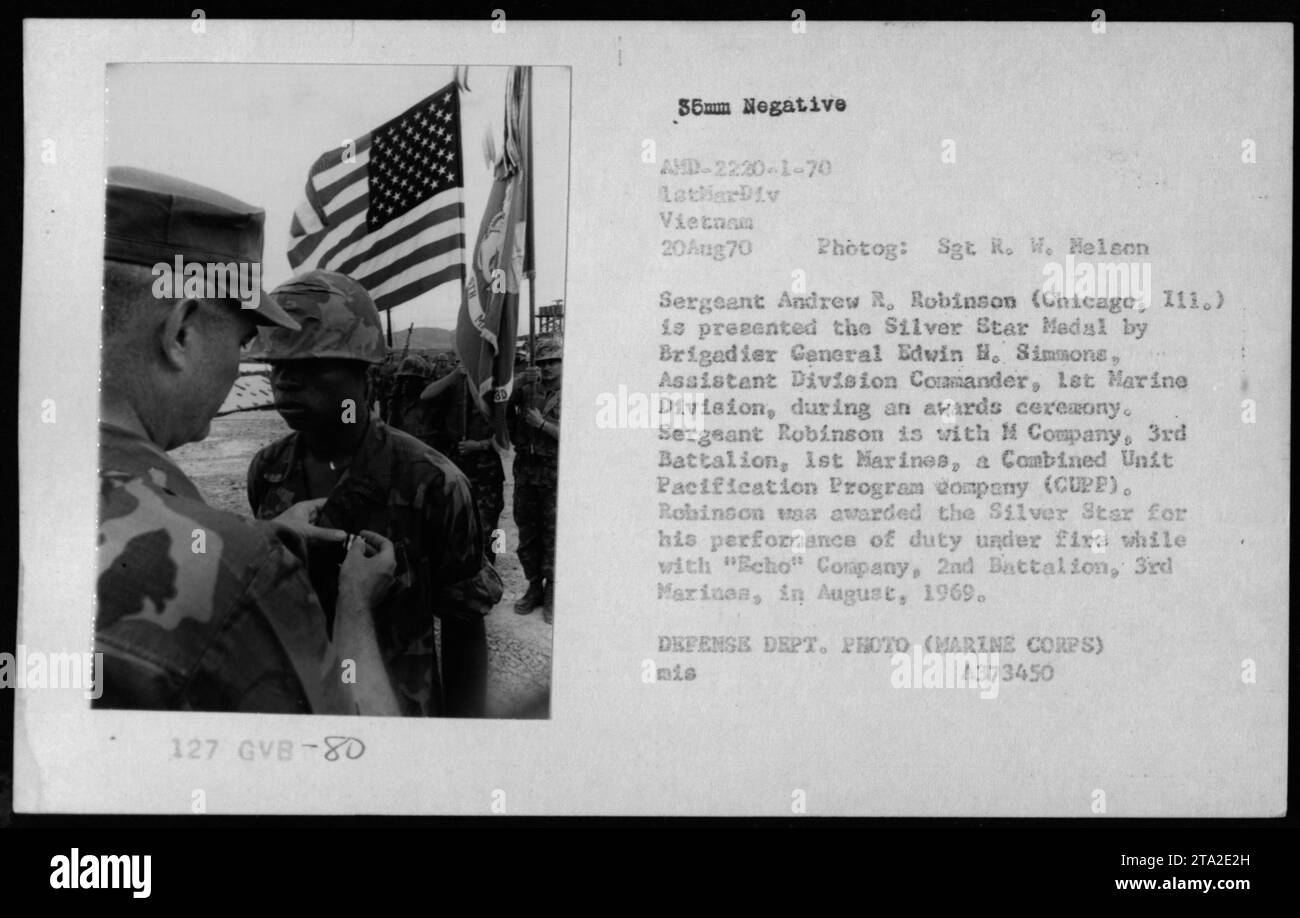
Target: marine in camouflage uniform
{"x":405,"y":409}
{"x":442,"y":414}
{"x":533,"y":415}
{"x":379,"y":479}
{"x":197,"y":609}
{"x":479,"y":459}
{"x":234,"y":627}
{"x":456,"y":428}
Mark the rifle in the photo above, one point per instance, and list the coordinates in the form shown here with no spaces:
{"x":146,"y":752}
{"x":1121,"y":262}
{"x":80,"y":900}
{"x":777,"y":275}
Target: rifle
{"x":407,"y":346}
{"x":391,"y":382}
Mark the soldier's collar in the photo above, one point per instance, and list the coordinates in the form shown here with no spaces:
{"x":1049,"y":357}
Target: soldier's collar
{"x":129,"y":452}
{"x":369,"y":469}
{"x":120,"y":433}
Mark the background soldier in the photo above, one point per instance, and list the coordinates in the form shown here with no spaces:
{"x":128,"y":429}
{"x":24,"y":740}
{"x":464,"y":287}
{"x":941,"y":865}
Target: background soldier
{"x":374,"y":477}
{"x":465,"y":436}
{"x":405,"y":410}
{"x":533,"y":414}
{"x":200,"y":609}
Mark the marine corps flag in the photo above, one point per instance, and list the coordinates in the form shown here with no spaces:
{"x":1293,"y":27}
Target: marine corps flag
{"x":489,"y":308}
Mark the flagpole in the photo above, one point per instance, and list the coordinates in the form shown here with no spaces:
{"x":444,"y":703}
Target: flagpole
{"x":465,"y":389}
{"x":532,"y":329}
{"x":530,"y":265}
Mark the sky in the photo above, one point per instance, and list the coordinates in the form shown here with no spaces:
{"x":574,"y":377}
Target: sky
{"x":253,"y":131}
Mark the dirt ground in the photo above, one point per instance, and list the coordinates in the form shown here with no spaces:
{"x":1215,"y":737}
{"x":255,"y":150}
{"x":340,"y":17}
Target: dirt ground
{"x":519,"y":646}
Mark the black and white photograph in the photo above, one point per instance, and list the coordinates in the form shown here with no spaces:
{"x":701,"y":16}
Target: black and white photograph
{"x":925,"y":454}
{"x":333,"y":332}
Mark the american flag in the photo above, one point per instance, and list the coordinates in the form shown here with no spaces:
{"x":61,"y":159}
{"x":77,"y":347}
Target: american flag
{"x":387,"y":211}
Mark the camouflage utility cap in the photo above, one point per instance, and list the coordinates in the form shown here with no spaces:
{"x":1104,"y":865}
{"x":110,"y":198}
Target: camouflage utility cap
{"x":154,"y":219}
{"x":338,"y":320}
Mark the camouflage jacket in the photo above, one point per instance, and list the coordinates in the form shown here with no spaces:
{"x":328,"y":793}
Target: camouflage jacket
{"x":435,"y":423}
{"x":484,"y":464}
{"x":397,"y":486}
{"x":199,"y":609}
{"x":444,"y":422}
{"x":531,"y":444}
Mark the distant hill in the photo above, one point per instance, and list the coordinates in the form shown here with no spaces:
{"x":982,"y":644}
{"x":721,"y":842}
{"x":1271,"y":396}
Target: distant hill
{"x":423,"y":339}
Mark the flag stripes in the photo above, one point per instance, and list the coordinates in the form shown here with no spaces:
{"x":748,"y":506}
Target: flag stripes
{"x":387,"y":209}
